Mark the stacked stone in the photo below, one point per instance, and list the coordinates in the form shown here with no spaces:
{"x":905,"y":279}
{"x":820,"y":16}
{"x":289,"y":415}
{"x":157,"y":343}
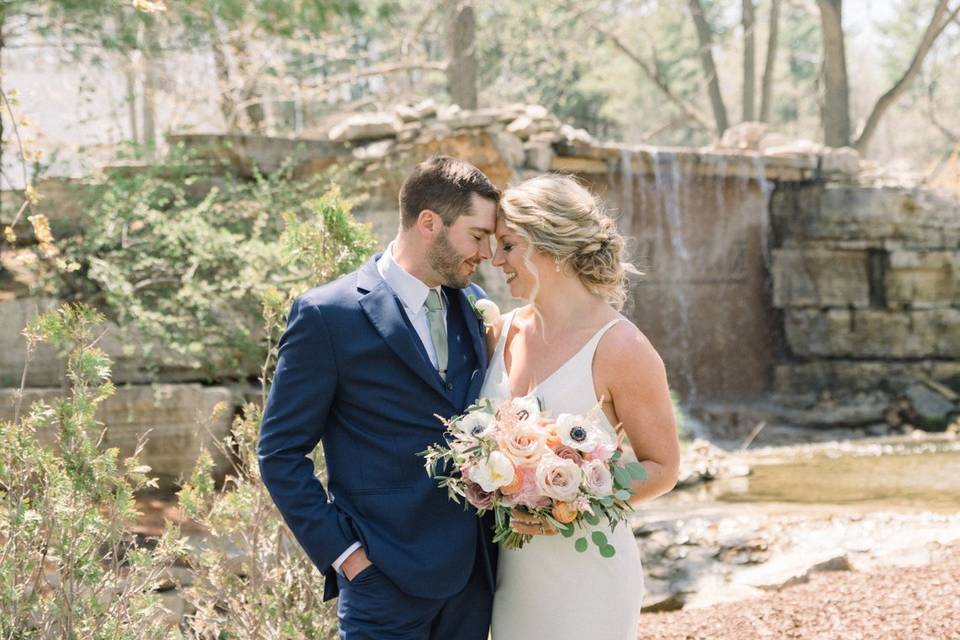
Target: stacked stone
{"x":869,"y":283}
{"x":178,"y":417}
{"x":527,"y":136}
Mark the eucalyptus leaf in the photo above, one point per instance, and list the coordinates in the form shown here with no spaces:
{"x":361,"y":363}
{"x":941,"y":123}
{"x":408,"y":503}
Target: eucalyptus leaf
{"x":636,"y":471}
{"x":580,"y":544}
{"x":622,"y":477}
{"x":599,"y":538}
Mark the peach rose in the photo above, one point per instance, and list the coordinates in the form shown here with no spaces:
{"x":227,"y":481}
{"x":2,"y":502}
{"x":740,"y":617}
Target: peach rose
{"x":524,"y":445}
{"x":514,"y":486}
{"x":564,"y":512}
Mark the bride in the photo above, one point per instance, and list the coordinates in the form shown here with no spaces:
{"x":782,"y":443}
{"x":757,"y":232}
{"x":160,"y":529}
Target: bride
{"x":570,"y":347}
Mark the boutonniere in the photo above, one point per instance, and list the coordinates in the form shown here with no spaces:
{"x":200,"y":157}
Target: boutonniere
{"x":486,"y":310}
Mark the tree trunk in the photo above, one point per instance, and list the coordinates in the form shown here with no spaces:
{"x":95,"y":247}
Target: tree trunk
{"x":938,"y":23}
{"x":228,"y":106}
{"x":249,"y":96}
{"x":131,"y":78}
{"x":151,"y":65}
{"x":835,"y":108}
{"x":461,"y":45}
{"x":749,"y":61}
{"x":766,"y":90}
{"x":709,"y":68}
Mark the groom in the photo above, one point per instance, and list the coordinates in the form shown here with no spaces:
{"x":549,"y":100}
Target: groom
{"x":365,"y":363}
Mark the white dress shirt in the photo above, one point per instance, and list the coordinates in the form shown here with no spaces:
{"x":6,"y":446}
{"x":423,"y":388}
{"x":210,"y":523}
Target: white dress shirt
{"x":412,"y":293}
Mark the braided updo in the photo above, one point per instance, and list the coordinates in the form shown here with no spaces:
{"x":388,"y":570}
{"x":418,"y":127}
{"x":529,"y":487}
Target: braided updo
{"x":563,"y":220}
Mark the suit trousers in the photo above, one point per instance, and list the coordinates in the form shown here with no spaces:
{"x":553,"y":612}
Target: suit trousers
{"x":371,"y":607}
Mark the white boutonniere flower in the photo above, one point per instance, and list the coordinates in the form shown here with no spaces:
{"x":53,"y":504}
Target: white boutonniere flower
{"x":486,"y":310}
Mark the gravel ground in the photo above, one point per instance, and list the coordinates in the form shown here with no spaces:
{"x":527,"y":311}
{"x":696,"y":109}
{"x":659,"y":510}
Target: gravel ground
{"x":908,"y":603}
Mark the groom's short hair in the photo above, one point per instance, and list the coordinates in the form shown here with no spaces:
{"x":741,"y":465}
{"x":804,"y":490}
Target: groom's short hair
{"x":443,"y":184}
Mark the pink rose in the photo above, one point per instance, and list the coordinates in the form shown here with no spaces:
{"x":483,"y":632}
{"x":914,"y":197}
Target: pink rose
{"x":529,"y":495}
{"x":477,"y":496}
{"x":603,"y":452}
{"x":566,"y":453}
{"x":597,"y":478}
{"x":558,"y":478}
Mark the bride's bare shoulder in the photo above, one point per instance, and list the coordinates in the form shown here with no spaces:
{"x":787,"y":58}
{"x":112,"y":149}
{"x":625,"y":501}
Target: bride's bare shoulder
{"x":625,"y":348}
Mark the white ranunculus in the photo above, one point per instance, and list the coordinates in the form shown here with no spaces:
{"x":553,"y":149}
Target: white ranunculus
{"x":527,"y":409}
{"x":558,"y":478}
{"x":578,"y":433}
{"x":478,"y":424}
{"x":494,"y":472}
{"x":489,"y":311}
{"x":597,"y":478}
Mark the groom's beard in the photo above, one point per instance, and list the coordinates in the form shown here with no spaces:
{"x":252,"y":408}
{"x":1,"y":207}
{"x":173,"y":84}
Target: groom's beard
{"x":446,"y":262}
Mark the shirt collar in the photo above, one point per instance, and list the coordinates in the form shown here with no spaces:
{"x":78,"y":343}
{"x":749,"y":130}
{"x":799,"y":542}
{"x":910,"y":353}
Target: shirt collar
{"x":410,"y":289}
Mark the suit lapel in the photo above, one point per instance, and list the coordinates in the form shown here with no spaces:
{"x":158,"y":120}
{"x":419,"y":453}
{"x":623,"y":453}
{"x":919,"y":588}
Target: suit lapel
{"x":383,"y":309}
{"x":474,"y":325}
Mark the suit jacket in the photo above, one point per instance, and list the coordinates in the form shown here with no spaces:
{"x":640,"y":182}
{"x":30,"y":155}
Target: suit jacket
{"x":353,"y":374}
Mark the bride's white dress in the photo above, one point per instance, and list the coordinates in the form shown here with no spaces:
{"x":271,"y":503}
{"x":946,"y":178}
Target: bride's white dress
{"x":548,"y":589}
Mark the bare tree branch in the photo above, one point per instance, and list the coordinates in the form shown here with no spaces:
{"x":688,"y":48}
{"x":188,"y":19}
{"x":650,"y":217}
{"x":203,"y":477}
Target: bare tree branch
{"x":766,"y":86}
{"x":691,"y":112}
{"x":749,"y":60}
{"x":937,"y":24}
{"x":709,"y":68}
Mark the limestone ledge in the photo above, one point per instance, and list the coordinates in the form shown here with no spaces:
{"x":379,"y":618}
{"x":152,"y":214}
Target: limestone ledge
{"x":873,"y":333}
{"x":860,"y":375}
{"x":181,"y":420}
{"x":126,"y":350}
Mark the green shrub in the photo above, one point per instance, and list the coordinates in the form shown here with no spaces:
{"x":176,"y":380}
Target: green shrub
{"x":183,"y":257}
{"x":69,"y":568}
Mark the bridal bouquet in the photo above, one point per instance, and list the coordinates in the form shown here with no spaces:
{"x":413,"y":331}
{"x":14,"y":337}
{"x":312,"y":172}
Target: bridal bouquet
{"x":568,"y":470}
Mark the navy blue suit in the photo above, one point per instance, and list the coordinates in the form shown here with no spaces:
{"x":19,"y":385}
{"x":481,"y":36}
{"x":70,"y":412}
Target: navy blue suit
{"x":353,"y":374}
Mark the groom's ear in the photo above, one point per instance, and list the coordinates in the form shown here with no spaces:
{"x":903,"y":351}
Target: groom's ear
{"x":429,"y":223}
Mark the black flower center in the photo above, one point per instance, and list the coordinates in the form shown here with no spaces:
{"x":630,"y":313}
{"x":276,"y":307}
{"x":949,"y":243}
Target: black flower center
{"x":477,"y":429}
{"x":523,"y":414}
{"x":578,"y":434}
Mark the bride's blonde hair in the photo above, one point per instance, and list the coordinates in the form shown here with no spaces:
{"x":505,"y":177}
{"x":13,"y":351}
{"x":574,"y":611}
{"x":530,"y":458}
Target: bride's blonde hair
{"x":560,"y":218}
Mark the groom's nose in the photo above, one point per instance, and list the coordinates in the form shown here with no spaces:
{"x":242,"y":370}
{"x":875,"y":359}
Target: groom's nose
{"x":485,"y":252}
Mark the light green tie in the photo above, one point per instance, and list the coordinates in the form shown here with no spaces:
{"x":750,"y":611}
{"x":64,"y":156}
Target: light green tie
{"x":438,"y":330}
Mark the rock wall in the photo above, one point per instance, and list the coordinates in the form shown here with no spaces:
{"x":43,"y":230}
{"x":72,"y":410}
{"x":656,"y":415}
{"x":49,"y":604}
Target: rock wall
{"x":868,"y":283}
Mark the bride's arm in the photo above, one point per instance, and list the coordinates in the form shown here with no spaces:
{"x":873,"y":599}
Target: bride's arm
{"x":629,"y":372}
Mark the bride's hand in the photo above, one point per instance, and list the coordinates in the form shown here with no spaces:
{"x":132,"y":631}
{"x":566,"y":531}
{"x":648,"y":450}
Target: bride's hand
{"x":531,"y":525}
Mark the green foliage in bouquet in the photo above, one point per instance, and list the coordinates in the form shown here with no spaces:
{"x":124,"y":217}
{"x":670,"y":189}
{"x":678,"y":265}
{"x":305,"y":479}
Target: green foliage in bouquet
{"x":69,"y":568}
{"x":183,"y":257}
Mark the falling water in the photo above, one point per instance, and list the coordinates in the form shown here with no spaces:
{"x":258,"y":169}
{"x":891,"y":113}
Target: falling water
{"x":667,"y":181}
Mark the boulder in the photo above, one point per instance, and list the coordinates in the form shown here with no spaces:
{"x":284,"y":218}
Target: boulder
{"x":366,"y":126}
{"x":539,"y":156}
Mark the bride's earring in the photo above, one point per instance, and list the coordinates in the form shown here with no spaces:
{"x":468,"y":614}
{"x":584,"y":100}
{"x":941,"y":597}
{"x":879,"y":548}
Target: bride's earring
{"x":556,"y":263}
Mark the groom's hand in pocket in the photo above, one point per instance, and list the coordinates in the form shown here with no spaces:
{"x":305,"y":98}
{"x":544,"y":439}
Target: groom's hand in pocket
{"x":354,"y":564}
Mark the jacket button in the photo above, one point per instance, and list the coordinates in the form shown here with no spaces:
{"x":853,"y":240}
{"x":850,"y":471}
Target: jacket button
{"x":449,"y":386}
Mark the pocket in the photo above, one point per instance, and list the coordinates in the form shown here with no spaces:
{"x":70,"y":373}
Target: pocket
{"x":364,"y":574}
